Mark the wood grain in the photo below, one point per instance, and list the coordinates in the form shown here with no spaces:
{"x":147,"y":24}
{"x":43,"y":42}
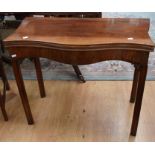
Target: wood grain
{"x":92,"y":115}
{"x":83,"y":41}
{"x":77,"y":31}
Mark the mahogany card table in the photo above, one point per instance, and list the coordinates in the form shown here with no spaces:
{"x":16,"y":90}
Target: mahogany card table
{"x":84,"y":41}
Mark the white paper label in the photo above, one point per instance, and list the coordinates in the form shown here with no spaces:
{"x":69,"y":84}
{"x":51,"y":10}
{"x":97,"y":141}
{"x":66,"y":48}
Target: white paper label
{"x":130,"y":38}
{"x":14,"y":55}
{"x":25,"y":37}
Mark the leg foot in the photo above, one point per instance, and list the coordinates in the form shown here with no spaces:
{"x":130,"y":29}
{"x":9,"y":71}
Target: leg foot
{"x":2,"y":104}
{"x":78,"y":73}
{"x":4,"y":113}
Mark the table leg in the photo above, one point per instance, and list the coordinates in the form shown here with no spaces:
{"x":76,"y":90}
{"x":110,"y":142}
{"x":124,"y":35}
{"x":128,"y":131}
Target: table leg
{"x":78,"y":73}
{"x":2,"y":105}
{"x":22,"y":91}
{"x":134,"y":84}
{"x":39,"y":77}
{"x":7,"y":83}
{"x":138,"y":103}
{"x":4,"y":113}
{"x":3,"y":75}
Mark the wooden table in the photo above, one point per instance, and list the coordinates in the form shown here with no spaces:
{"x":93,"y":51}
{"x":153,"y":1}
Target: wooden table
{"x":21,"y":15}
{"x":80,"y":42}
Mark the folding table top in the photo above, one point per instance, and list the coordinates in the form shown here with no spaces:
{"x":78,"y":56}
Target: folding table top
{"x":81,"y":33}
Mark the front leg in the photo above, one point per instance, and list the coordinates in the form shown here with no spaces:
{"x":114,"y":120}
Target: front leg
{"x":138,"y":103}
{"x":134,"y":84}
{"x":21,"y":89}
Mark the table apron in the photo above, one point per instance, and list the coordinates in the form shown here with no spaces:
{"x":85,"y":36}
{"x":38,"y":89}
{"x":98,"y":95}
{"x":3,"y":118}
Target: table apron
{"x":81,"y":57}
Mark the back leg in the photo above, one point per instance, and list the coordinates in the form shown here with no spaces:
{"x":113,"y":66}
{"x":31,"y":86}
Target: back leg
{"x":78,"y":73}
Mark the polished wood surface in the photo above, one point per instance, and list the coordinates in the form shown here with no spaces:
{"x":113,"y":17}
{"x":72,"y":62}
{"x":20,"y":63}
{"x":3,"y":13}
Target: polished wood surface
{"x":69,"y":32}
{"x":60,"y":116}
{"x":21,"y":15}
{"x":83,"y":41}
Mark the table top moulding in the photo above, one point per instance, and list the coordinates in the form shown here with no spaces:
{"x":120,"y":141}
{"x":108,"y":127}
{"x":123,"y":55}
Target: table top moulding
{"x":82,"y":34}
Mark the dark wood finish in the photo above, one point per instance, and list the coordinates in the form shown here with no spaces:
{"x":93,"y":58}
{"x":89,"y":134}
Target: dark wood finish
{"x":78,"y":73}
{"x":21,"y":15}
{"x":140,"y":90}
{"x":76,"y":34}
{"x":3,"y":93}
{"x":3,"y":75}
{"x":135,"y":84}
{"x":4,"y":57}
{"x":83,"y":41}
{"x":3,"y":108}
{"x":22,"y":91}
{"x":2,"y":105}
{"x":39,"y":77}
